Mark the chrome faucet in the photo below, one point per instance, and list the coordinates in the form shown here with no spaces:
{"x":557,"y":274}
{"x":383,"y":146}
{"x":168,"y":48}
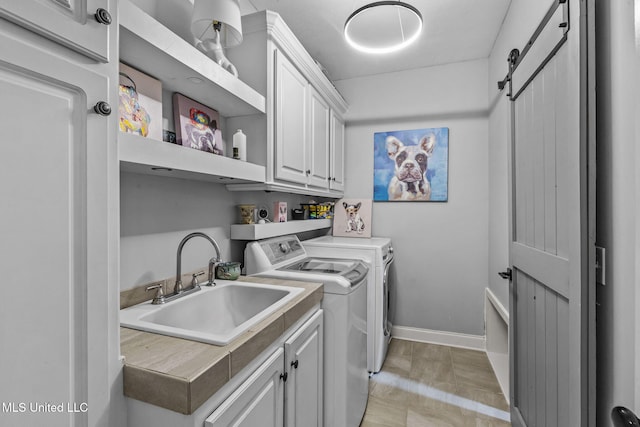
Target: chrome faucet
{"x":212,"y":262}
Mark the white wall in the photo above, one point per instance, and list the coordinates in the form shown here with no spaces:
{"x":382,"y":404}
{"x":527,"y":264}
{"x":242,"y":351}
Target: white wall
{"x":156,"y":213}
{"x":521,"y":21}
{"x":618,"y":204}
{"x":441,"y":248}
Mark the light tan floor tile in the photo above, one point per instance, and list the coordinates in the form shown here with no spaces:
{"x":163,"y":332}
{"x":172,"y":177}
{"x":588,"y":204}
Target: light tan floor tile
{"x":400,"y":348}
{"x":423,"y":416}
{"x":433,"y":352}
{"x":423,"y":385}
{"x":473,"y":358}
{"x":495,"y":400}
{"x":395,"y":389}
{"x":427,"y":371}
{"x":480,"y":422}
{"x":381,"y":412}
{"x":397,"y":364}
{"x":473,"y":377}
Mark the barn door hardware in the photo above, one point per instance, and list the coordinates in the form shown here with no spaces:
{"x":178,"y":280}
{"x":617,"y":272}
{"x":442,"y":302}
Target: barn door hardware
{"x":516,"y":57}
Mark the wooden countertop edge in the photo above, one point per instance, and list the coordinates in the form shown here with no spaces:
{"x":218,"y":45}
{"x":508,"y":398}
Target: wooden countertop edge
{"x":184,"y":387}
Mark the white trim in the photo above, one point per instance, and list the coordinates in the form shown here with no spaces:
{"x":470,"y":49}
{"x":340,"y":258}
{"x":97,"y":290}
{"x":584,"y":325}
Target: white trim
{"x":493,"y":299}
{"x":497,"y":336}
{"x":452,"y":339}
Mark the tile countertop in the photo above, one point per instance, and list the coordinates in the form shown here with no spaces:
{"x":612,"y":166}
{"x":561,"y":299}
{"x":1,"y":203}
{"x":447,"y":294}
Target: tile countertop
{"x":180,"y":374}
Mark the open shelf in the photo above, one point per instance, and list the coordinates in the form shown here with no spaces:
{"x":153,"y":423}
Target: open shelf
{"x":273,"y":229}
{"x":150,"y":157}
{"x":149,"y":46}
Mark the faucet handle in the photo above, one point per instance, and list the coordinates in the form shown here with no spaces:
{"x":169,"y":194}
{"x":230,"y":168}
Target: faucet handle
{"x":194,"y":280}
{"x":159,"y":298}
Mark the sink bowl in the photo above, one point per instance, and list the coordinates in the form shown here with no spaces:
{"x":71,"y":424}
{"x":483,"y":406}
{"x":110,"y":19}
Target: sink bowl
{"x":215,"y":315}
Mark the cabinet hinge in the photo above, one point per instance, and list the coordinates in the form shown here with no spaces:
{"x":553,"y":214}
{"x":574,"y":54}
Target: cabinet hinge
{"x":284,"y":376}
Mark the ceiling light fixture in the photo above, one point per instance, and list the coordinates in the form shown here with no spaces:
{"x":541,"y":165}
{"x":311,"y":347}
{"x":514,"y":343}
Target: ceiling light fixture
{"x":383,"y":27}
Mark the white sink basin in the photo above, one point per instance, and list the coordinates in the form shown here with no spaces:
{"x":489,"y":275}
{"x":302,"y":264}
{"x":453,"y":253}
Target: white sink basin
{"x":214,"y":315}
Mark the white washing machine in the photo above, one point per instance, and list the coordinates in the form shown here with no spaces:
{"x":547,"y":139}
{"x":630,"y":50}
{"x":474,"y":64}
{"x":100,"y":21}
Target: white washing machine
{"x":346,"y":379}
{"x":378,"y":253}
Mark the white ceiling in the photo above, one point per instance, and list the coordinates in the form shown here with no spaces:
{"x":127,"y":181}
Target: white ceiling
{"x":454,"y":31}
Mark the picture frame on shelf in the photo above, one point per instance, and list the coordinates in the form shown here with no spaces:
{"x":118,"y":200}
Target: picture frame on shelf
{"x":140,"y":103}
{"x":352,"y":218}
{"x":197,"y":126}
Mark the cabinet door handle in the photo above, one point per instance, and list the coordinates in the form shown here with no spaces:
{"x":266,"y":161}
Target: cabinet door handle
{"x":102,"y":108}
{"x":103,"y":16}
{"x":308,"y":172}
{"x":284,"y":376}
{"x":294,"y":364}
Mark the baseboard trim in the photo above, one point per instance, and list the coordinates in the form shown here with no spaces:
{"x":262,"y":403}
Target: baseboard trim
{"x":452,"y":339}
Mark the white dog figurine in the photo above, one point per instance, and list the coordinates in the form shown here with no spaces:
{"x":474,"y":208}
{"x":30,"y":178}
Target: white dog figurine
{"x":354,"y":220}
{"x":214,"y":50}
{"x":410,"y":180}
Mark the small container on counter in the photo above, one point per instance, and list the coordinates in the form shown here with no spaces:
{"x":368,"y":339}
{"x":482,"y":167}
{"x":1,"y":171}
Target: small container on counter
{"x":228,"y":270}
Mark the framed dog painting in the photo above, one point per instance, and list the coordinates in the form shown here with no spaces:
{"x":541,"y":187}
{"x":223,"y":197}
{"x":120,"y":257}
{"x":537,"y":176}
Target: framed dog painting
{"x":411,"y":165}
{"x":197,"y":126}
{"x":352,"y":218}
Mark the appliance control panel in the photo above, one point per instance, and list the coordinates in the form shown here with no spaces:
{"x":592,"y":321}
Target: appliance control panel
{"x":282,"y":249}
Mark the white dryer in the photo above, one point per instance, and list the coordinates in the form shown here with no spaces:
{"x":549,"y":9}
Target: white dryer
{"x":378,"y":253}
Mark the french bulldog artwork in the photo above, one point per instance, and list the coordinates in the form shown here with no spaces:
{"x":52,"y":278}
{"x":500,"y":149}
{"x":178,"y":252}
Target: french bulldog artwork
{"x":411,"y":165}
{"x":411,"y":161}
{"x":354,"y":220}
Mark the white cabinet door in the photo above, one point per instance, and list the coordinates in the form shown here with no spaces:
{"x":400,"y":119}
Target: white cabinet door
{"x":70,"y":22}
{"x":337,"y":152}
{"x":55,"y":260}
{"x":258,"y":401}
{"x":291,"y":122}
{"x":304,"y":361}
{"x":318,"y":158}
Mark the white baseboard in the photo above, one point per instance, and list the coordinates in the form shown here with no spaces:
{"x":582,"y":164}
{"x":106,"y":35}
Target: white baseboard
{"x":453,"y":339}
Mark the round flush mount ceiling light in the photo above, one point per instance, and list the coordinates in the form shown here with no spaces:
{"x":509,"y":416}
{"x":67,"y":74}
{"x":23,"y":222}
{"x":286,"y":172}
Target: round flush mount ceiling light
{"x":383,"y":27}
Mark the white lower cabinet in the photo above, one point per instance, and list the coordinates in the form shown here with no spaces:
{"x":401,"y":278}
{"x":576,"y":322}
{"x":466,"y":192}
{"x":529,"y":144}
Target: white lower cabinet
{"x":286,"y":390}
{"x":304,"y":387}
{"x":259,"y":401}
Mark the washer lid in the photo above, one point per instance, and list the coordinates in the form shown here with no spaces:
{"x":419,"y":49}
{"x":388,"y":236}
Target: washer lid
{"x":351,"y":269}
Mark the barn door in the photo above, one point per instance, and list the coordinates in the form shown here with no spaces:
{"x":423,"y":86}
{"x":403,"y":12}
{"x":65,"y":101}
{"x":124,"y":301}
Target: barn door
{"x":551,"y":248}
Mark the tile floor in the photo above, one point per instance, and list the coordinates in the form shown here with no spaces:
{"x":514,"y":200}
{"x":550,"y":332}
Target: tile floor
{"x":423,"y":385}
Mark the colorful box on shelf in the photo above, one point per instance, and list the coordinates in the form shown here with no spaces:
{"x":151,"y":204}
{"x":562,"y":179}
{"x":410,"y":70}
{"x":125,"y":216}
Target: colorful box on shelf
{"x":317,"y":210}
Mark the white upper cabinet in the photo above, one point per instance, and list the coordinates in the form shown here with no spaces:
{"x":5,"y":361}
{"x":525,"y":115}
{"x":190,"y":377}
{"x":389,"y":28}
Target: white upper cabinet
{"x":337,"y":153}
{"x":294,"y":141}
{"x":318,"y":140}
{"x":81,"y":25}
{"x":291,"y":122}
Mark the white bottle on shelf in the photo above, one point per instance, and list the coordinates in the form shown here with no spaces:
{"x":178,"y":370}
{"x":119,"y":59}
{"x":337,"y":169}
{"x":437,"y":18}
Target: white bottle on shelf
{"x":240,"y":144}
